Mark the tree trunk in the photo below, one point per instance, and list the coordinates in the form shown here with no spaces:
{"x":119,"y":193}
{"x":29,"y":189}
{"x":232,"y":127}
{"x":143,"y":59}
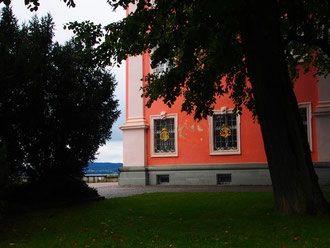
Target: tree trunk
{"x":295,"y":183}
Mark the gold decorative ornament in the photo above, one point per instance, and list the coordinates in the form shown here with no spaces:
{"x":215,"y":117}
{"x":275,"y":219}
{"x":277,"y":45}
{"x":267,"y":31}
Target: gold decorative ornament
{"x":164,"y":135}
{"x":225,"y":131}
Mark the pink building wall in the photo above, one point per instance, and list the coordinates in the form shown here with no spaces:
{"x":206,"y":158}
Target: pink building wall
{"x":193,"y":163}
{"x":193,"y":136}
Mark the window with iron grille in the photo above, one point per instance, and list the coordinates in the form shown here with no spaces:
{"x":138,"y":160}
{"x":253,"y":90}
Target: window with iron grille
{"x":305,"y":114}
{"x":163,"y":135}
{"x":224,"y":134}
{"x":225,"y":140}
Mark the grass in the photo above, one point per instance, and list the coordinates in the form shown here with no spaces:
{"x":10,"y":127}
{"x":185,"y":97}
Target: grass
{"x":170,"y":220}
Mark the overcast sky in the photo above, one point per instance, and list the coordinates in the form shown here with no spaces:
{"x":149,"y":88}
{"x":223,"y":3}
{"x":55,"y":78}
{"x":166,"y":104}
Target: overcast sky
{"x":99,"y":12}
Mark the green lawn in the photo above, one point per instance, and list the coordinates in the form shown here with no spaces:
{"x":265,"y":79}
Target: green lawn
{"x":170,"y":220}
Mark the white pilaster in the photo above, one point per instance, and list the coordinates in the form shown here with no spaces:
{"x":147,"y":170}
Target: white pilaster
{"x":322,"y":115}
{"x":134,"y":129}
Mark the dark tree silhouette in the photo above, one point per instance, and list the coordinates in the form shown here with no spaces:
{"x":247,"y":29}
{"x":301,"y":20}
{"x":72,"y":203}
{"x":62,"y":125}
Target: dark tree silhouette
{"x":56,"y":106}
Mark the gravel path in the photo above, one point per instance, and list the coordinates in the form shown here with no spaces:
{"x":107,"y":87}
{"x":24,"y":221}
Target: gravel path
{"x":112,"y":190}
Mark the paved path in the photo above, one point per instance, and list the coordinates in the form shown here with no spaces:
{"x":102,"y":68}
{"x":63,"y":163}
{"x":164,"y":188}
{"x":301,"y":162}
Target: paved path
{"x":112,"y":190}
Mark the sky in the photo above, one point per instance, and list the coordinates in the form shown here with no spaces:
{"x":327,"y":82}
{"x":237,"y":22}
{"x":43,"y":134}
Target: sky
{"x":99,"y":12}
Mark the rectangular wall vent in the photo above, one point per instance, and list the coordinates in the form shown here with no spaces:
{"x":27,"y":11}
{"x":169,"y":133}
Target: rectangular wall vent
{"x":223,"y":179}
{"x":163,"y":179}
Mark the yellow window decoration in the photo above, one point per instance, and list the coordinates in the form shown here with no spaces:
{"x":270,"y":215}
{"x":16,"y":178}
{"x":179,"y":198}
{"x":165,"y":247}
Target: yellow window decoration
{"x":225,"y":131}
{"x":164,"y":135}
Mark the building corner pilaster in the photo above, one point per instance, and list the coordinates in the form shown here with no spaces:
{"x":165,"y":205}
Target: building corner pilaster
{"x":322,"y":115}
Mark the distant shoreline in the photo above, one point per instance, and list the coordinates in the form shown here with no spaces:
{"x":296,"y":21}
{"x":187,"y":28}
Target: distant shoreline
{"x":102,"y":168}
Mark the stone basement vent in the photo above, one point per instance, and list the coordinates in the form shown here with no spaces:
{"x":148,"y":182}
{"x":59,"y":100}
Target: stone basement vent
{"x":223,"y":179}
{"x":163,"y":179}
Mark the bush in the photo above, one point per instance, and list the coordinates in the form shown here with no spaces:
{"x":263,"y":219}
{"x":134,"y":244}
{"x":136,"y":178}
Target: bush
{"x":112,"y":176}
{"x":60,"y":189}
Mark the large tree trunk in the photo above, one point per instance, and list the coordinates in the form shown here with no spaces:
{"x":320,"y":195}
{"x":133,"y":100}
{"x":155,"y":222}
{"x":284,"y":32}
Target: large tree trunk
{"x":295,"y":183}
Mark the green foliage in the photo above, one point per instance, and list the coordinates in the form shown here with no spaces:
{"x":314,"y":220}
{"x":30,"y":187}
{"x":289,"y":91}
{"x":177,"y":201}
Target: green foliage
{"x":200,"y":43}
{"x":33,"y":5}
{"x":57,"y":107}
{"x":305,"y":33}
{"x":170,"y":220}
{"x":112,"y":176}
{"x":48,"y":191}
{"x":201,"y":40}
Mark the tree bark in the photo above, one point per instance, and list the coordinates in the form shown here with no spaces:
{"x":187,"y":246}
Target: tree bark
{"x":295,"y":183}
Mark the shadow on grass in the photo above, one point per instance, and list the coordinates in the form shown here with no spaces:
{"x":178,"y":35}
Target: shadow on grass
{"x":170,"y":220}
{"x":19,"y":199}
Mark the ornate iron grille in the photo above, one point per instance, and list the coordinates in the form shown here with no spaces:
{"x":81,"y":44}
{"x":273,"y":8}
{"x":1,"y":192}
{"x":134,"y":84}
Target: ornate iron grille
{"x":221,"y":123}
{"x":161,"y":144}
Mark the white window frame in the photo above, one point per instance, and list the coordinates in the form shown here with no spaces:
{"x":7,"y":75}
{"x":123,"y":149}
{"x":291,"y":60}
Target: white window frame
{"x":165,"y":68}
{"x":152,"y":132}
{"x":308,"y":107}
{"x":238,"y":124}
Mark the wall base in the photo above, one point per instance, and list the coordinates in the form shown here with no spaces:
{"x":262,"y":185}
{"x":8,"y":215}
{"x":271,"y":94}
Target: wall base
{"x":241,"y":174}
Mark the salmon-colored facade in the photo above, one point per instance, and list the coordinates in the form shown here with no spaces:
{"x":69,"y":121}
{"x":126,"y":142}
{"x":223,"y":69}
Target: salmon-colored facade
{"x":192,"y":155}
{"x":193,"y":136}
